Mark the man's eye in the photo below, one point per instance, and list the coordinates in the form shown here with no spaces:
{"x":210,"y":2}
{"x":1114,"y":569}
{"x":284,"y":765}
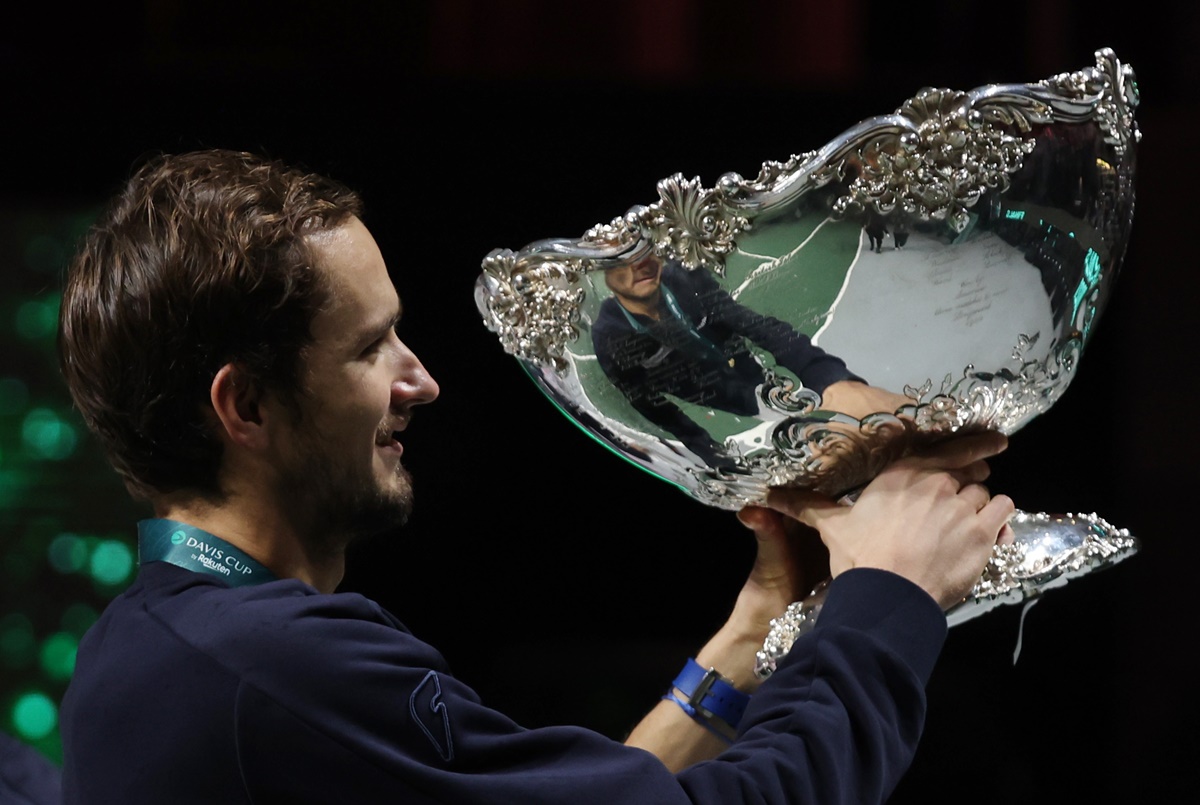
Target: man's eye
{"x":374,"y":348}
{"x":380,"y":343}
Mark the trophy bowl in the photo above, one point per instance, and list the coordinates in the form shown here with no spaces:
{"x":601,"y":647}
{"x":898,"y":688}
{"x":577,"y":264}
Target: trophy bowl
{"x":928,"y":273}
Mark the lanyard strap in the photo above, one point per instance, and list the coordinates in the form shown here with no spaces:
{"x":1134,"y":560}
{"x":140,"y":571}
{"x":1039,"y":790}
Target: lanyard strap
{"x":703,"y":348}
{"x":198,"y":551}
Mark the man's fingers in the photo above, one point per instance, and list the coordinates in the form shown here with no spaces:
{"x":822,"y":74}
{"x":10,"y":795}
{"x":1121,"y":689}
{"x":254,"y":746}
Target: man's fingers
{"x":975,"y":494}
{"x":995,"y":516}
{"x":755,"y":517}
{"x":810,"y":508}
{"x":961,"y":452}
{"x":769,"y":530}
{"x":767,"y":525}
{"x":974,"y":473}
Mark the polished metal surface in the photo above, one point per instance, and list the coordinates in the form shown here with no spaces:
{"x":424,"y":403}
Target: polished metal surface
{"x":1006,"y":213}
{"x":955,"y":255}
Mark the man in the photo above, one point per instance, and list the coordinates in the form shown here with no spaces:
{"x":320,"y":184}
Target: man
{"x":228,"y":332}
{"x":26,"y":777}
{"x":670,"y":331}
{"x":875,"y":229}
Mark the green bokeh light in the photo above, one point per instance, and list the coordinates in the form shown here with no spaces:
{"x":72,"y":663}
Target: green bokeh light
{"x":67,"y":553}
{"x":34,"y":716}
{"x":58,"y":655}
{"x":50,"y":595}
{"x":17,"y":644}
{"x":37,"y":318}
{"x":47,"y":435}
{"x":112,"y":562}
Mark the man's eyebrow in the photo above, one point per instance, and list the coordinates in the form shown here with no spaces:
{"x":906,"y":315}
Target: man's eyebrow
{"x":375,"y":333}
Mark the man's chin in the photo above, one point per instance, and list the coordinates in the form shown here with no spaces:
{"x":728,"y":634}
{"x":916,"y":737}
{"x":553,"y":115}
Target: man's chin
{"x":373,"y":519}
{"x":372,"y":512}
{"x":391,"y":506}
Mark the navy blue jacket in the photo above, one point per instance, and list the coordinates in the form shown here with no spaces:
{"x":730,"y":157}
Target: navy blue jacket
{"x":26,"y":778}
{"x":188,"y":691}
{"x":662,"y":357}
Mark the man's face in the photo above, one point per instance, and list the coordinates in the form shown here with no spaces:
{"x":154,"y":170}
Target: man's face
{"x":340,"y":463}
{"x":638,"y":281}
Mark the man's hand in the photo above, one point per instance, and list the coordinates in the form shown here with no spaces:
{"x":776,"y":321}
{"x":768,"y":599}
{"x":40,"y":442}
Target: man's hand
{"x":927,"y":518}
{"x":789,"y":562}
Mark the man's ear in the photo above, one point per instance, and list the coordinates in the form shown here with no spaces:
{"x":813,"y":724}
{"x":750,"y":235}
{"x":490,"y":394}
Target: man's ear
{"x":237,"y":402}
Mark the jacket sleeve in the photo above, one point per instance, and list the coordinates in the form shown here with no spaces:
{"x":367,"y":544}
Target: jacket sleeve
{"x":27,"y":778}
{"x":376,"y":716}
{"x":840,"y":719}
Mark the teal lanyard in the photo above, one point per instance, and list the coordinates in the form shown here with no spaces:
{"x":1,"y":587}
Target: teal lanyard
{"x":703,"y":348}
{"x":199,"y":551}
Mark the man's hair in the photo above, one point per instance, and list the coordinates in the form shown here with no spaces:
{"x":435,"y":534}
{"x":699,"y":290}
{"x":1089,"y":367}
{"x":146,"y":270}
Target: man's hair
{"x":201,"y":260}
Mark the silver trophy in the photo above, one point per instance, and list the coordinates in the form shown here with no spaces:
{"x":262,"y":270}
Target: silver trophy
{"x":930,"y":272}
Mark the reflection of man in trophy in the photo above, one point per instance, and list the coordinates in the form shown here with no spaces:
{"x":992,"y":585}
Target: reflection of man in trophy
{"x":670,"y":331}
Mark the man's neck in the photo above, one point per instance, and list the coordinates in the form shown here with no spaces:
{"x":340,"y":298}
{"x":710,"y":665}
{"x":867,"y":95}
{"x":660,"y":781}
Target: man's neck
{"x":264,"y":534}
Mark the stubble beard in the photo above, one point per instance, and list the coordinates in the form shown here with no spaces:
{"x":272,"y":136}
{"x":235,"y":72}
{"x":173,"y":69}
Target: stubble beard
{"x":336,"y":505}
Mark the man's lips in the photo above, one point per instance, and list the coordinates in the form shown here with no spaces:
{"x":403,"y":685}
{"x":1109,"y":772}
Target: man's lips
{"x":390,"y":440}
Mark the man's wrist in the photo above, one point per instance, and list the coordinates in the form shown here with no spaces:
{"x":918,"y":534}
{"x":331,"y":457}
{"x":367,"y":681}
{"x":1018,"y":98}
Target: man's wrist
{"x":731,"y":651}
{"x":709,"y":698}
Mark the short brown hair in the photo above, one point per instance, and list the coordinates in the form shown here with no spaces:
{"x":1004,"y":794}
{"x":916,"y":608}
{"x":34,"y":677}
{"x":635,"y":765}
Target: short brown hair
{"x":201,"y":260}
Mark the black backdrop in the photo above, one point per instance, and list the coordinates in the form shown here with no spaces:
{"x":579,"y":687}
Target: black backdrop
{"x":469,"y":126}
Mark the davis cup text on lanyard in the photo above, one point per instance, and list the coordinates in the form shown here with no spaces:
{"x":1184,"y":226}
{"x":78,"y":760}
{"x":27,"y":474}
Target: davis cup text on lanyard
{"x":199,"y":551}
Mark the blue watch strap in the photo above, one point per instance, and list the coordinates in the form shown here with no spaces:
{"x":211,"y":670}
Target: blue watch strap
{"x":717,"y":728}
{"x":710,"y":695}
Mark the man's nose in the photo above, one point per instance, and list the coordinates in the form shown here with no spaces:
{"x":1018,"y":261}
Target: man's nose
{"x":413,"y":384}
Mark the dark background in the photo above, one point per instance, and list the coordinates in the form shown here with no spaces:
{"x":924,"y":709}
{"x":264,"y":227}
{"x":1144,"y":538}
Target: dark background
{"x":568,"y":586}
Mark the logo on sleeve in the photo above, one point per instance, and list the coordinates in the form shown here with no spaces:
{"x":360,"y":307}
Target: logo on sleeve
{"x":429,"y":711}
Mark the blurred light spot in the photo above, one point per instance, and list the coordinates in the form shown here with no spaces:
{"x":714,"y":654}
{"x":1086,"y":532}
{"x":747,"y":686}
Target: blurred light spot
{"x":14,"y":396}
{"x":67,"y":553}
{"x":34,"y":716}
{"x":47,"y":435}
{"x":37,"y":318}
{"x":16,"y":640}
{"x":112,"y":562}
{"x":58,"y":655}
{"x":78,"y":618}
